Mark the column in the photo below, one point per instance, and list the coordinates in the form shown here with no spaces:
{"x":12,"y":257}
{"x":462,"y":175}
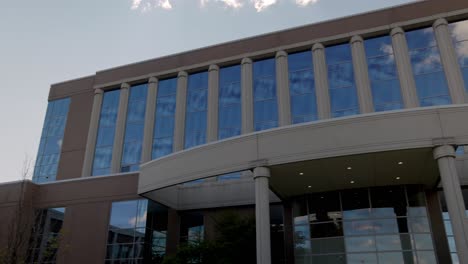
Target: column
{"x":361,"y":75}
{"x":445,"y":156}
{"x":92,"y":133}
{"x":405,"y":72}
{"x":120,"y":128}
{"x":150,"y":112}
{"x":247,"y":95}
{"x":321,"y":81}
{"x":262,"y":214}
{"x":213,"y":97}
{"x":173,"y":232}
{"x":179,"y":129}
{"x":282,"y":88}
{"x":448,"y":56}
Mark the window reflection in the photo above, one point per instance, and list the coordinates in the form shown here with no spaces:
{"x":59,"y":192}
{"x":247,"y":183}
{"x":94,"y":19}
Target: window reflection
{"x":342,"y":89}
{"x":430,"y":79}
{"x":264,"y":94}
{"x":229,"y":104}
{"x":459,"y":32}
{"x":195,"y":116}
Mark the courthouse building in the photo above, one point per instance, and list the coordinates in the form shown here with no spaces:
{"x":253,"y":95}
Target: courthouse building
{"x":345,"y":139}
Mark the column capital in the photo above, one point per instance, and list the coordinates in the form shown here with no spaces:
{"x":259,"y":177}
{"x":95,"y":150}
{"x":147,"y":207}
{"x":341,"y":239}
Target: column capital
{"x":396,"y":30}
{"x":213,"y":67}
{"x":182,"y":74}
{"x":261,"y":172}
{"x":281,"y":53}
{"x":356,"y":38}
{"x":152,"y":80}
{"x":246,"y":61}
{"x":125,"y":86}
{"x":444,"y":151}
{"x":98,"y":91}
{"x":317,"y":46}
{"x":440,"y":22}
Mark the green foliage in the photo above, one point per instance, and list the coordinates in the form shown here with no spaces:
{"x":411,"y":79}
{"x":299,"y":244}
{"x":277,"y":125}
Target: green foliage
{"x":234,"y":243}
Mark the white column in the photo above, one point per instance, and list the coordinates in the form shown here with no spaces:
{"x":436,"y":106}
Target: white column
{"x":361,"y":75}
{"x":120,"y":128}
{"x":321,"y":81}
{"x":247,"y":95}
{"x":448,"y":56}
{"x":405,"y":72}
{"x":262,"y":214}
{"x":150,"y":112}
{"x":282,"y":88}
{"x":445,"y":156}
{"x":213,"y":97}
{"x":179,"y":129}
{"x":92,"y":133}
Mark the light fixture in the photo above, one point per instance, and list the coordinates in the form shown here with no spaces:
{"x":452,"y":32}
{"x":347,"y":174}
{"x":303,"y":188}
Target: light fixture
{"x":309,"y":186}
{"x":400,"y":163}
{"x":321,"y":197}
{"x":349,"y":168}
{"x":301,"y":173}
{"x":397,"y":178}
{"x":351,"y":182}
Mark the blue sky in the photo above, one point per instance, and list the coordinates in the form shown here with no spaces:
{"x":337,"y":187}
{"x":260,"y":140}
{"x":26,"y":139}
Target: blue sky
{"x":50,"y":41}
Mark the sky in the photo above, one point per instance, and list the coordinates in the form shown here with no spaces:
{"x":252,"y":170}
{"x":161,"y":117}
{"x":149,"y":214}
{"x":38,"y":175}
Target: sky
{"x":50,"y":41}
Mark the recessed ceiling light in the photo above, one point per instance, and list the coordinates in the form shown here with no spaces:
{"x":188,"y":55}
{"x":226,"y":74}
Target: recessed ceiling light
{"x":400,"y":163}
{"x":301,"y":173}
{"x":397,"y":178}
{"x":351,"y":182}
{"x":349,"y":168}
{"x":321,"y":197}
{"x":309,"y":186}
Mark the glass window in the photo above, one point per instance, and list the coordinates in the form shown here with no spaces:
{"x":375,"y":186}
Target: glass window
{"x":192,"y":227}
{"x":106,"y":133}
{"x":48,"y":156}
{"x":264,"y":94}
{"x":229,"y":104}
{"x":459,"y":32}
{"x":430,"y":79}
{"x":302,"y":87}
{"x":163,"y":135}
{"x":343,"y":95}
{"x":197,"y":106}
{"x":134,"y":128}
{"x":383,"y":74}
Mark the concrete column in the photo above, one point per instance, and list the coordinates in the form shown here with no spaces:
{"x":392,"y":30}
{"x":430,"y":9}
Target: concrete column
{"x":92,"y":133}
{"x":361,"y":75}
{"x":448,"y":56}
{"x":321,"y":81}
{"x":445,"y":156}
{"x":149,"y":120}
{"x":262,"y":214}
{"x":179,"y":129}
{"x":213,"y":96}
{"x":282,"y":88}
{"x":173,"y":232}
{"x":247,"y":95}
{"x":120,"y":128}
{"x":405,"y":72}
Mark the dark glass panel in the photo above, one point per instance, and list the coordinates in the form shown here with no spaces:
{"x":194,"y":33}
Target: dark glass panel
{"x":327,"y":245}
{"x":367,"y":258}
{"x":328,"y":229}
{"x":388,"y":201}
{"x":325,"y":207}
{"x":355,"y":204}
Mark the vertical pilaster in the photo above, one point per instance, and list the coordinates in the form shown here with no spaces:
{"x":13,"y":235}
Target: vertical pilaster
{"x":213,"y":97}
{"x":405,"y":72}
{"x":448,"y":56}
{"x":247,"y":95}
{"x":92,"y":133}
{"x":120,"y":128}
{"x":282,"y":88}
{"x":445,"y":156}
{"x":321,"y":81}
{"x":262,"y":214}
{"x":181,"y":99}
{"x":361,"y":75}
{"x":149,"y":119}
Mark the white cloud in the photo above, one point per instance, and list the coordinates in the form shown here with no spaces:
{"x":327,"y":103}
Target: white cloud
{"x":228,"y":3}
{"x":260,"y":5}
{"x":135,"y":4}
{"x":165,"y":4}
{"x":305,"y":2}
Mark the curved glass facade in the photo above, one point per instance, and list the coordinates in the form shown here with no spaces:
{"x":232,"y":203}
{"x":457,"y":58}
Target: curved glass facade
{"x":197,"y":106}
{"x":264,"y":94}
{"x":459,"y":32}
{"x":229,"y":102}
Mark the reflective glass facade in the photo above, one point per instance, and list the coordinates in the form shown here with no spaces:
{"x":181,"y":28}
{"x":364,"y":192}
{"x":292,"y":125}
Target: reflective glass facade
{"x":196,"y":113}
{"x":427,"y":68}
{"x":106,"y":133}
{"x":459,"y":32}
{"x":264,"y":94}
{"x":383,"y":74}
{"x":48,"y":155}
{"x":302,"y":87}
{"x":134,"y":127}
{"x":377,"y":225}
{"x":229,"y":102}
{"x":163,"y":133}
{"x":342,"y":88}
{"x":46,"y":235}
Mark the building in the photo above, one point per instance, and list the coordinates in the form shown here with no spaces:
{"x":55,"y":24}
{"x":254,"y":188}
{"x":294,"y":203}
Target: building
{"x":344,"y":138}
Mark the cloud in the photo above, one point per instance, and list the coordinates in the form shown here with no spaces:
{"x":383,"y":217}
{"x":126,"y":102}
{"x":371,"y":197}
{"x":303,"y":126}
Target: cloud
{"x":260,"y":5}
{"x":305,"y":2}
{"x":135,"y":4}
{"x":228,"y":3}
{"x":165,"y":4}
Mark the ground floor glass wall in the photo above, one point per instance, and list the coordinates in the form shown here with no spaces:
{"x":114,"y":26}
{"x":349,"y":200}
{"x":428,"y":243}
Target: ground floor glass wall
{"x":370,"y":225}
